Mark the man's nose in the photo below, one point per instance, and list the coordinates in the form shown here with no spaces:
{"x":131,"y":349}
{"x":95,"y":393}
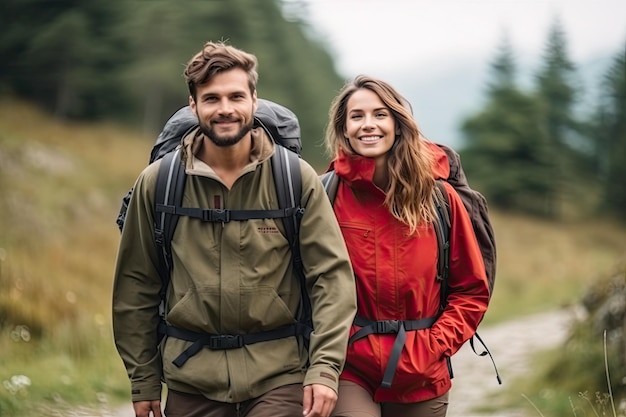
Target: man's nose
{"x":225,"y":106}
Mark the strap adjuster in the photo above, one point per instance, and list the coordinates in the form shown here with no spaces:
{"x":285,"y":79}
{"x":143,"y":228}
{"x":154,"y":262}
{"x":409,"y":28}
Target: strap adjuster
{"x":225,"y":341}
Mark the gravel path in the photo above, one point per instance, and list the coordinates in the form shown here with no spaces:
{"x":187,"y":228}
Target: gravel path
{"x":512,"y":344}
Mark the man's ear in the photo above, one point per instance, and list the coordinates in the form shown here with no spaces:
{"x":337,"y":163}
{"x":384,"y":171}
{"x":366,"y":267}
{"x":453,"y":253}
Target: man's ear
{"x":192,"y":105}
{"x":255,"y":102}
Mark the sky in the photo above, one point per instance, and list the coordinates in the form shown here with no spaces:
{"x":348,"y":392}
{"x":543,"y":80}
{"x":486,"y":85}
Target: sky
{"x":437,"y":52}
{"x":379,"y":37}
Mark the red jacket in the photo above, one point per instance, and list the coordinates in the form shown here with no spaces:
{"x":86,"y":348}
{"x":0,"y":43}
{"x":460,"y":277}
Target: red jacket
{"x":396,"y":279}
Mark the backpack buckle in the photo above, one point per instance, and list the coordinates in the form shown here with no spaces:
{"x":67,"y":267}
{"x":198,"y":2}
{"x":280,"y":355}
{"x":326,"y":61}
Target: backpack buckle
{"x":387,"y":326}
{"x":158,"y":237}
{"x":216,"y":215}
{"x":225,"y":341}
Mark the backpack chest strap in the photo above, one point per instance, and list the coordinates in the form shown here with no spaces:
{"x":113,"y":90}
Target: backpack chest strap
{"x":225,"y":216}
{"x":399,"y":327}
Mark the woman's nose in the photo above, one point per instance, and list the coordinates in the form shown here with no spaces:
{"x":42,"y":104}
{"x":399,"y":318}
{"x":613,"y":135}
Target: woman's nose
{"x":368,"y":122}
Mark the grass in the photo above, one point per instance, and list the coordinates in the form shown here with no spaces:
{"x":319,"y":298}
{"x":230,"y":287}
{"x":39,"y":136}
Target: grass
{"x":585,"y":375}
{"x":62,"y":184}
{"x":544,"y":264}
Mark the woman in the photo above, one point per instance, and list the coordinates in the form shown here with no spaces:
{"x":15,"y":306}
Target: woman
{"x":398,"y":356}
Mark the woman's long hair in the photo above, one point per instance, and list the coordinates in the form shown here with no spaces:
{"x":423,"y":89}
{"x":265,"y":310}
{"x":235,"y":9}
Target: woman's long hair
{"x":410,"y":161}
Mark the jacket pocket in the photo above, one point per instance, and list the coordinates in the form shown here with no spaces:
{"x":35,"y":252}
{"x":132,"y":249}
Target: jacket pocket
{"x":215,"y":310}
{"x":359,"y":239}
{"x":420,"y":364}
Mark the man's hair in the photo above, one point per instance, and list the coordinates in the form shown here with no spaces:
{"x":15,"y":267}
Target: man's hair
{"x":214,"y":58}
{"x":410,"y":161}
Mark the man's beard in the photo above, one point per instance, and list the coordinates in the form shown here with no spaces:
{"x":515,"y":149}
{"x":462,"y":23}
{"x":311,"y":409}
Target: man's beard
{"x":224,"y":141}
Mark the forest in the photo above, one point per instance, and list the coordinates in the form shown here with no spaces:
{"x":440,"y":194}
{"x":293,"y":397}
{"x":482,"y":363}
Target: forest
{"x":123,"y":60}
{"x":529,"y":151}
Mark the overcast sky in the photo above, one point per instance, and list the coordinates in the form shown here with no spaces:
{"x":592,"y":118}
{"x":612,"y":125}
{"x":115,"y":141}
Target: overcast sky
{"x":377,"y":37}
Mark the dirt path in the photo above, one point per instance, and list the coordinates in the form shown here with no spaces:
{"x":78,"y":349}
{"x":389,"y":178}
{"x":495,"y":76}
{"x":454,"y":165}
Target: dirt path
{"x":512,"y":344}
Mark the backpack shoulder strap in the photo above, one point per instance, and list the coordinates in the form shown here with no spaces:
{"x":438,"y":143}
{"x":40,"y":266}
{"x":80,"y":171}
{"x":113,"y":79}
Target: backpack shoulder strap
{"x":288,"y":181}
{"x":170,"y":187}
{"x":330,"y":181}
{"x":442,"y":230}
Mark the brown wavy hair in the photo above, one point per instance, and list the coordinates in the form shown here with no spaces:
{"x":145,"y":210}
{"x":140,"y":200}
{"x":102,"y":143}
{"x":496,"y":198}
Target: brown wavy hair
{"x":410,"y":161}
{"x":216,"y":57}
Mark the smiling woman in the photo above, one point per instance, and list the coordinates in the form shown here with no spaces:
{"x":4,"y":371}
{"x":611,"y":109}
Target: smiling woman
{"x":370,"y":126}
{"x":407,"y":326}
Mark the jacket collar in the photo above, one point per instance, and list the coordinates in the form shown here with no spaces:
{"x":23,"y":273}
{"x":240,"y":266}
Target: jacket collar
{"x":354,"y":169}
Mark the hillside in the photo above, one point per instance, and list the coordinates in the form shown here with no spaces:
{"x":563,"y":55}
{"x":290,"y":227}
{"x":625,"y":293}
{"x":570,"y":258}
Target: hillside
{"x":61,"y":186}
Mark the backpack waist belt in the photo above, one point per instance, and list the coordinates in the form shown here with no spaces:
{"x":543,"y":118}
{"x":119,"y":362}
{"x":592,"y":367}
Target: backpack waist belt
{"x":227,"y":341}
{"x":398,"y":327}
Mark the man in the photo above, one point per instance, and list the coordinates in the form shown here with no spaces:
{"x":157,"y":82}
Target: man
{"x":233,"y":278}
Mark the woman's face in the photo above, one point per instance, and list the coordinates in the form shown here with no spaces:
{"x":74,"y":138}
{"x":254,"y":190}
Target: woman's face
{"x":370,"y":125}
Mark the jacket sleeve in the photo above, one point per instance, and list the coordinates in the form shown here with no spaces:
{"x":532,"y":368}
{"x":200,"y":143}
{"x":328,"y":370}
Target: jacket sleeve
{"x":468,"y":288}
{"x":330,"y":282}
{"x":136,"y":293}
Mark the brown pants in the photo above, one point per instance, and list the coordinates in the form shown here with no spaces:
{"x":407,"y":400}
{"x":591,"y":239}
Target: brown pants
{"x":284,"y":401}
{"x":355,"y":401}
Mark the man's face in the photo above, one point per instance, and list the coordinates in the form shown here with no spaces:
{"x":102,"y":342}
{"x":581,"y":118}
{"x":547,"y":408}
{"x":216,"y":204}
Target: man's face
{"x":225,"y":107}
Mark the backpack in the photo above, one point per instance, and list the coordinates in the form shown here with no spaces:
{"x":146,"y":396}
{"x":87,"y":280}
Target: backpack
{"x":282,"y":125}
{"x":476,"y":206}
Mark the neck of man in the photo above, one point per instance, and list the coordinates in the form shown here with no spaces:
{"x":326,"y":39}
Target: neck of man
{"x":226,"y":161}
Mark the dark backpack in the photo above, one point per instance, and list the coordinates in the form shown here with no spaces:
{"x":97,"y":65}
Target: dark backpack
{"x":476,"y":206}
{"x":282,"y":125}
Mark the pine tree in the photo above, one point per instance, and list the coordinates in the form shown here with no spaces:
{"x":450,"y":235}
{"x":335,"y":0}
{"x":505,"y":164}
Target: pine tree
{"x":557,"y":96}
{"x":505,"y":153}
{"x":610,"y":135}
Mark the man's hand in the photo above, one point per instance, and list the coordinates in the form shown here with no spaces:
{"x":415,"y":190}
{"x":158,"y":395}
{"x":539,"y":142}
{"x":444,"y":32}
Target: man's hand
{"x":319,"y":401}
{"x":143,"y":408}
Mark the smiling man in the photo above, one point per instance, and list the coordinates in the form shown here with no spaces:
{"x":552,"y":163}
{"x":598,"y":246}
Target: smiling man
{"x":232,"y":281}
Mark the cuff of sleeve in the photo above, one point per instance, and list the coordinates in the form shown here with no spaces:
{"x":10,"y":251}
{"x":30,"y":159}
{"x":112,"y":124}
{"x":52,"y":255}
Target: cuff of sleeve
{"x":145,"y":391}
{"x":322,"y":375}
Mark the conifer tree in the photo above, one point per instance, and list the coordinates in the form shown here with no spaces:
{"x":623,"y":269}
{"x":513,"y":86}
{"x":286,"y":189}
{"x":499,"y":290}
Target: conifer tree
{"x":610,"y":137}
{"x":505,"y":153}
{"x":557,"y":95}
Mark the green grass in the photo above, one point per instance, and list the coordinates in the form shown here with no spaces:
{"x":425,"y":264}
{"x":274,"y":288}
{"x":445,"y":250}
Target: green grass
{"x":544,"y":264}
{"x":61,"y":188}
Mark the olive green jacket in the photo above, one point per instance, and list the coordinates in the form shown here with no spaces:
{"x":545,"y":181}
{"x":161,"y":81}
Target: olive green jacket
{"x":232,"y":278}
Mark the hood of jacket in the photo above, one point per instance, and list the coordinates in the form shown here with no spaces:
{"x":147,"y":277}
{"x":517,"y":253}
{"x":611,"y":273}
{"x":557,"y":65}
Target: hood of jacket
{"x":356,"y":168}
